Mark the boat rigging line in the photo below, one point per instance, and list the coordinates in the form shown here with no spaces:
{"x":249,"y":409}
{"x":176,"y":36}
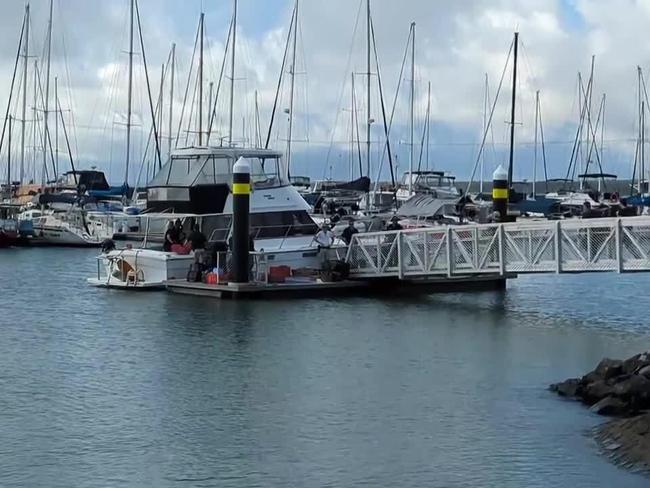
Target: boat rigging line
{"x":489,"y":122}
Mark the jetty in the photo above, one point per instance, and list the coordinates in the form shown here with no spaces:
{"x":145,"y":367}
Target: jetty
{"x":458,"y":258}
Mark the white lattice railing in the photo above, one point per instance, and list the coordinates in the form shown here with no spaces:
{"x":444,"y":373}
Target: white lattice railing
{"x":590,"y":245}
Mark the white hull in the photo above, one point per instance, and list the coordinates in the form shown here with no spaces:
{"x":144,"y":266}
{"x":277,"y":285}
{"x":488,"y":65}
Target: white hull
{"x":58,"y":236}
{"x":146,"y":268}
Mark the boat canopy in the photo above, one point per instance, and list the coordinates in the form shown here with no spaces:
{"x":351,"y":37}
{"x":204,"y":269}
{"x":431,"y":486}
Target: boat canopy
{"x":213,"y":166}
{"x":598,"y":176}
{"x":427,"y":206}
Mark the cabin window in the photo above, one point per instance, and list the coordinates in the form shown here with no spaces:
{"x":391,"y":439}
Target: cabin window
{"x":216,"y":227}
{"x":179,"y":170}
{"x":282,"y":224}
{"x":265,"y":172}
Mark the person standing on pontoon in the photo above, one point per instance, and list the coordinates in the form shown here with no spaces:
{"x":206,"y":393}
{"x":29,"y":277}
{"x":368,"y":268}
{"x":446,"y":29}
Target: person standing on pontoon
{"x":348,"y":232}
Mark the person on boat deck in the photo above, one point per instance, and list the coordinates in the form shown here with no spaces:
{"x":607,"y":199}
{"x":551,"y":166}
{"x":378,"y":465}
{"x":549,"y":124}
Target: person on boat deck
{"x":180,"y":235}
{"x":587,"y":211}
{"x":348,"y":232}
{"x":197,"y":239}
{"x":394,"y":224}
{"x":324,"y":237}
{"x":170,"y":237}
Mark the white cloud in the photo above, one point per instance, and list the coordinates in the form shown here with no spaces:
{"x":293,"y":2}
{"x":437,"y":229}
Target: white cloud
{"x":457,"y":42}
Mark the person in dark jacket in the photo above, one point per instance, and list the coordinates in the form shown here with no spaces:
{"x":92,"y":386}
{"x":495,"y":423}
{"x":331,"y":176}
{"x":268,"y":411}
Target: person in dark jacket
{"x":348,"y":232}
{"x":180,"y":235}
{"x":170,"y":237}
{"x":197,"y":239}
{"x":394,"y":224}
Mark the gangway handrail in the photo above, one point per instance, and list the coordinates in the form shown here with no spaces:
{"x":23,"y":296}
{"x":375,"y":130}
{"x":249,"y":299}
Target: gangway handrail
{"x":575,"y":245}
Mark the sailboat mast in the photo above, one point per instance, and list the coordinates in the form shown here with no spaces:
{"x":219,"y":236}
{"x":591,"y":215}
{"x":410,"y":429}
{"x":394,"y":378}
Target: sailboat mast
{"x":9,"y":160}
{"x":34,"y":121}
{"x":485,"y":117}
{"x":24,"y":110}
{"x":292,"y":72}
{"x":352,"y":126}
{"x":258,"y":142}
{"x":412,"y":108}
{"x":171,"y":100}
{"x":201,"y":80}
{"x":161,"y":105}
{"x":56,"y":123}
{"x":642,"y":173}
{"x":232,"y":72}
{"x":428,"y":122}
{"x":535,"y":150}
{"x":130,"y":98}
{"x":368,"y":93}
{"x":512,"y":112}
{"x":47,"y":91}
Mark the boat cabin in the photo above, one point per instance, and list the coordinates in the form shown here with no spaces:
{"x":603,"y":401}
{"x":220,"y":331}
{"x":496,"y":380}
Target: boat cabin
{"x":90,"y":180}
{"x":197,"y":180}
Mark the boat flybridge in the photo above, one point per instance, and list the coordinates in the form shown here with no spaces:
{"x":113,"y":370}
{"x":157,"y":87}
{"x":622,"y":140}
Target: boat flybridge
{"x":436,"y":183}
{"x":195,"y":187}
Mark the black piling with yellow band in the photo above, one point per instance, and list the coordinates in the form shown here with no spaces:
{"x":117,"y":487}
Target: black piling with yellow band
{"x":500,"y":194}
{"x":241,"y":191}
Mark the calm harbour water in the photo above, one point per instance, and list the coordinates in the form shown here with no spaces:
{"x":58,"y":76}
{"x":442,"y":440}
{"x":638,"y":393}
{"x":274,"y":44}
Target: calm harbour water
{"x":106,"y":388}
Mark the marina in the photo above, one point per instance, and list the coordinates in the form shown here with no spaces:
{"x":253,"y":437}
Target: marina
{"x":220,"y":265}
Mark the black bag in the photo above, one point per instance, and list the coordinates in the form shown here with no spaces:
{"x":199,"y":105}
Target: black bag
{"x":194,"y":275}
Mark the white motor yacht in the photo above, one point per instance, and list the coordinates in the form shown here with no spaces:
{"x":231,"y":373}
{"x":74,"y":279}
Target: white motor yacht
{"x":196,"y":181}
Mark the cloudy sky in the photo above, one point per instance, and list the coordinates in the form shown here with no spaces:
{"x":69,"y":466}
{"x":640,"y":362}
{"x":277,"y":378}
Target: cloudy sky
{"x":457,"y":43}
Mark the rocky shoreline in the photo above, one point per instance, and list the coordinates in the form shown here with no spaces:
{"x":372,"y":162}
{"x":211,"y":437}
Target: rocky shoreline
{"x":621,"y":389}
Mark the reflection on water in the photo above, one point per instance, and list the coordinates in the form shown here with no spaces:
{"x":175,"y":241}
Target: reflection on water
{"x":105,"y":388}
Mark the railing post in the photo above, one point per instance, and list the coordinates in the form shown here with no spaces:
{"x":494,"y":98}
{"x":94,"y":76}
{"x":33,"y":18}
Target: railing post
{"x":450,"y":254}
{"x":379,"y":253}
{"x":619,"y":245}
{"x":558,"y":247}
{"x":400,"y":265}
{"x":501,"y":232}
{"x":425,"y":250}
{"x":475,"y":248}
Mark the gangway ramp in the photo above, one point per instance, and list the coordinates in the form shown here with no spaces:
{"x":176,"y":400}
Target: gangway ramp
{"x":563,"y":246}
